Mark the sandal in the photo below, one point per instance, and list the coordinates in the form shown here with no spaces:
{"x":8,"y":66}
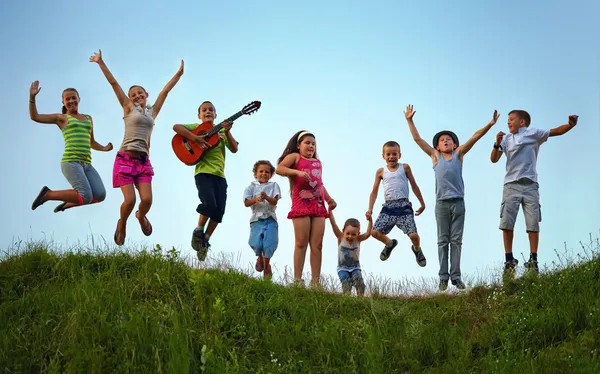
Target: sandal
{"x":147,"y":227}
{"x":119,"y":240}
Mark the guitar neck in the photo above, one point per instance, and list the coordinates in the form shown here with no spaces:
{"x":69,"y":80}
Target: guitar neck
{"x":218,"y":127}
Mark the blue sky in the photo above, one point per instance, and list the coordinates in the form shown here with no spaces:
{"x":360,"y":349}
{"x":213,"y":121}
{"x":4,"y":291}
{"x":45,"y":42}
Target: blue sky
{"x":342,"y":69}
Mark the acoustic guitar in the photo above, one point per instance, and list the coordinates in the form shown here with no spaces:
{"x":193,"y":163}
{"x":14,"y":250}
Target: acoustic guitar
{"x":189,"y":152}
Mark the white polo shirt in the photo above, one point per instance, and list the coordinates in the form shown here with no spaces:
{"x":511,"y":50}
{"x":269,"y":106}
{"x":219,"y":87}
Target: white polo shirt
{"x":521,"y":150}
{"x":262,"y":210}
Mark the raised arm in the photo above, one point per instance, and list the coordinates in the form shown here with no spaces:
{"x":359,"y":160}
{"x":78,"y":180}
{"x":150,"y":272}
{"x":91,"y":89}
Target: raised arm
{"x":97,"y":146}
{"x":56,"y":119}
{"x":496,"y":151}
{"x":160,"y":99}
{"x":561,"y":130}
{"x":374,"y":192}
{"x":367,"y":234}
{"x":336,"y":230}
{"x":121,"y":96}
{"x":408,"y":114}
{"x":415,"y":188}
{"x":463,"y":149}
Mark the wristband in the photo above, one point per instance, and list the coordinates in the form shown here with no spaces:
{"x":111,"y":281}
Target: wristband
{"x":496,"y":146}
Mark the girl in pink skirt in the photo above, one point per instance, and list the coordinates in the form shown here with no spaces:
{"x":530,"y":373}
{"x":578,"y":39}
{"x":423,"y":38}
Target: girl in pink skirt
{"x":299,"y":162}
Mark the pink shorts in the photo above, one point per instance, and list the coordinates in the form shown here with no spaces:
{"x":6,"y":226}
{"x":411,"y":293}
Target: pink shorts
{"x":131,"y":170}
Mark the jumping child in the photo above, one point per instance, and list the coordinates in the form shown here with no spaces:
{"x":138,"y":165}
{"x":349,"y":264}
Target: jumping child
{"x":132,"y":165}
{"x":447,"y":157}
{"x":76,"y":162}
{"x":349,"y":239}
{"x":209,"y":175}
{"x":521,"y":186}
{"x":262,"y":196}
{"x":300,"y":163}
{"x":397,"y":209}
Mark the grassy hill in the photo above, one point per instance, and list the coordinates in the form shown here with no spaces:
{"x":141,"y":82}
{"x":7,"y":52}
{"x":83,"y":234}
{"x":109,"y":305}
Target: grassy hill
{"x":150,"y":312}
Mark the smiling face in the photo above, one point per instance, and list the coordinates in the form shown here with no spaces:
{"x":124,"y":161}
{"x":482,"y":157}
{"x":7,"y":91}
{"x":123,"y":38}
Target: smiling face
{"x":446,"y":144}
{"x":351,"y":233}
{"x":391,"y":155}
{"x":70,"y":99}
{"x":207,"y":112}
{"x":307,"y":146}
{"x":138,"y":95}
{"x":263,"y":173}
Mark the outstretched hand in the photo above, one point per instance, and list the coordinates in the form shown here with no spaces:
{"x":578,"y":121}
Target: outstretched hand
{"x":495,"y":118}
{"x":97,"y":57}
{"x":35,"y":88}
{"x":573,"y":119}
{"x":180,"y":71}
{"x":409,"y":113}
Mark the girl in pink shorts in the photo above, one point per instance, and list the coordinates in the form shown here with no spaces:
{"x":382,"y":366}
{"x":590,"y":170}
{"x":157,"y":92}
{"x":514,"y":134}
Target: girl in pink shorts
{"x":299,"y":162}
{"x":132,"y":168}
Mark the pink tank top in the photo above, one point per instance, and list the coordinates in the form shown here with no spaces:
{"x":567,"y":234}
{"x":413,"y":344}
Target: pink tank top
{"x":308,"y":192}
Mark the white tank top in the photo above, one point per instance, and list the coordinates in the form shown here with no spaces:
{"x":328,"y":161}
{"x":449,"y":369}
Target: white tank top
{"x":395,"y":184}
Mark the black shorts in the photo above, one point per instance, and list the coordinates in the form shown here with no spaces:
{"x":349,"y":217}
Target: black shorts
{"x":212,"y":191}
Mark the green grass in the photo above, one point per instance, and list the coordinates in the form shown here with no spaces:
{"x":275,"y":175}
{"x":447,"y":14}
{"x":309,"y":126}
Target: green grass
{"x":149,"y":312}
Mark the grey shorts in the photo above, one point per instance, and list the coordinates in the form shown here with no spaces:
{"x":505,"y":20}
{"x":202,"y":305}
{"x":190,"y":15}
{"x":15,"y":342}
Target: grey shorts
{"x":515,"y":194}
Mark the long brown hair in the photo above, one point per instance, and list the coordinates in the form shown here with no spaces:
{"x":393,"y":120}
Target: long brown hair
{"x":292,"y":147}
{"x":64,"y":108}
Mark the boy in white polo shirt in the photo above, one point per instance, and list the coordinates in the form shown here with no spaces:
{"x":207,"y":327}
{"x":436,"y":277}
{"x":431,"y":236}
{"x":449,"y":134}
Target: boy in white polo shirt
{"x":262,"y":195}
{"x":521,"y":187}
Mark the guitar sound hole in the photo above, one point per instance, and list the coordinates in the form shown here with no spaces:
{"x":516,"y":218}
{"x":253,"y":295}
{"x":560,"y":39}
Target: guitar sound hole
{"x":187,"y":146}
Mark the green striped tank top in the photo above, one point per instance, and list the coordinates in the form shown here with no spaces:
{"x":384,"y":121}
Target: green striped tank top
{"x":78,"y":135}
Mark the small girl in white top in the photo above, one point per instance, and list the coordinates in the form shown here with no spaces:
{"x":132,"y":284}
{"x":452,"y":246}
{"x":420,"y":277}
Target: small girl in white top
{"x":262,"y":196}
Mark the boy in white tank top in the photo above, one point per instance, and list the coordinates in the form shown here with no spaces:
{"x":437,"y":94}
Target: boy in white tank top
{"x":397,"y":209}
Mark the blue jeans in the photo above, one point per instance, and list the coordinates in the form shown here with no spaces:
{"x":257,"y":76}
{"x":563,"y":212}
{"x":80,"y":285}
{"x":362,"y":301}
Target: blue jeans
{"x":352,"y":278}
{"x":264,"y":237}
{"x":85,"y":180}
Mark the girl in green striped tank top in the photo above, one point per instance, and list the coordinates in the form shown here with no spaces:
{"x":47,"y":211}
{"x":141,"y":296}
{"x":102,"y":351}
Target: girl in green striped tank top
{"x":76,"y":162}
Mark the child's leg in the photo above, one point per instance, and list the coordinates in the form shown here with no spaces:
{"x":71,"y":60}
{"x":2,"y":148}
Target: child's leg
{"x":317,"y":230}
{"x":206,"y":208}
{"x":533,"y":214}
{"x":219,"y":186}
{"x":270,"y":243}
{"x":407,"y":224}
{"x":383,"y":225}
{"x":301,"y":237}
{"x":79,"y":195}
{"x":125,"y":210}
{"x":511,"y":200}
{"x":457,"y":210}
{"x":442,"y":217}
{"x":345,"y":278}
{"x":256,"y":243}
{"x":145,"y":191}
{"x":533,"y":217}
{"x":358,"y":281}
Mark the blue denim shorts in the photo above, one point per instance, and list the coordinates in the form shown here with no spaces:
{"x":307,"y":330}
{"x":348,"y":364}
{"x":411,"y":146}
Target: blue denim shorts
{"x":350,"y":276}
{"x":264,"y":237}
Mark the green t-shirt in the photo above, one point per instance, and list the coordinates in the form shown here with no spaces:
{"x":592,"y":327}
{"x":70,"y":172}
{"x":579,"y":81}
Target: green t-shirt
{"x":213,"y":160}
